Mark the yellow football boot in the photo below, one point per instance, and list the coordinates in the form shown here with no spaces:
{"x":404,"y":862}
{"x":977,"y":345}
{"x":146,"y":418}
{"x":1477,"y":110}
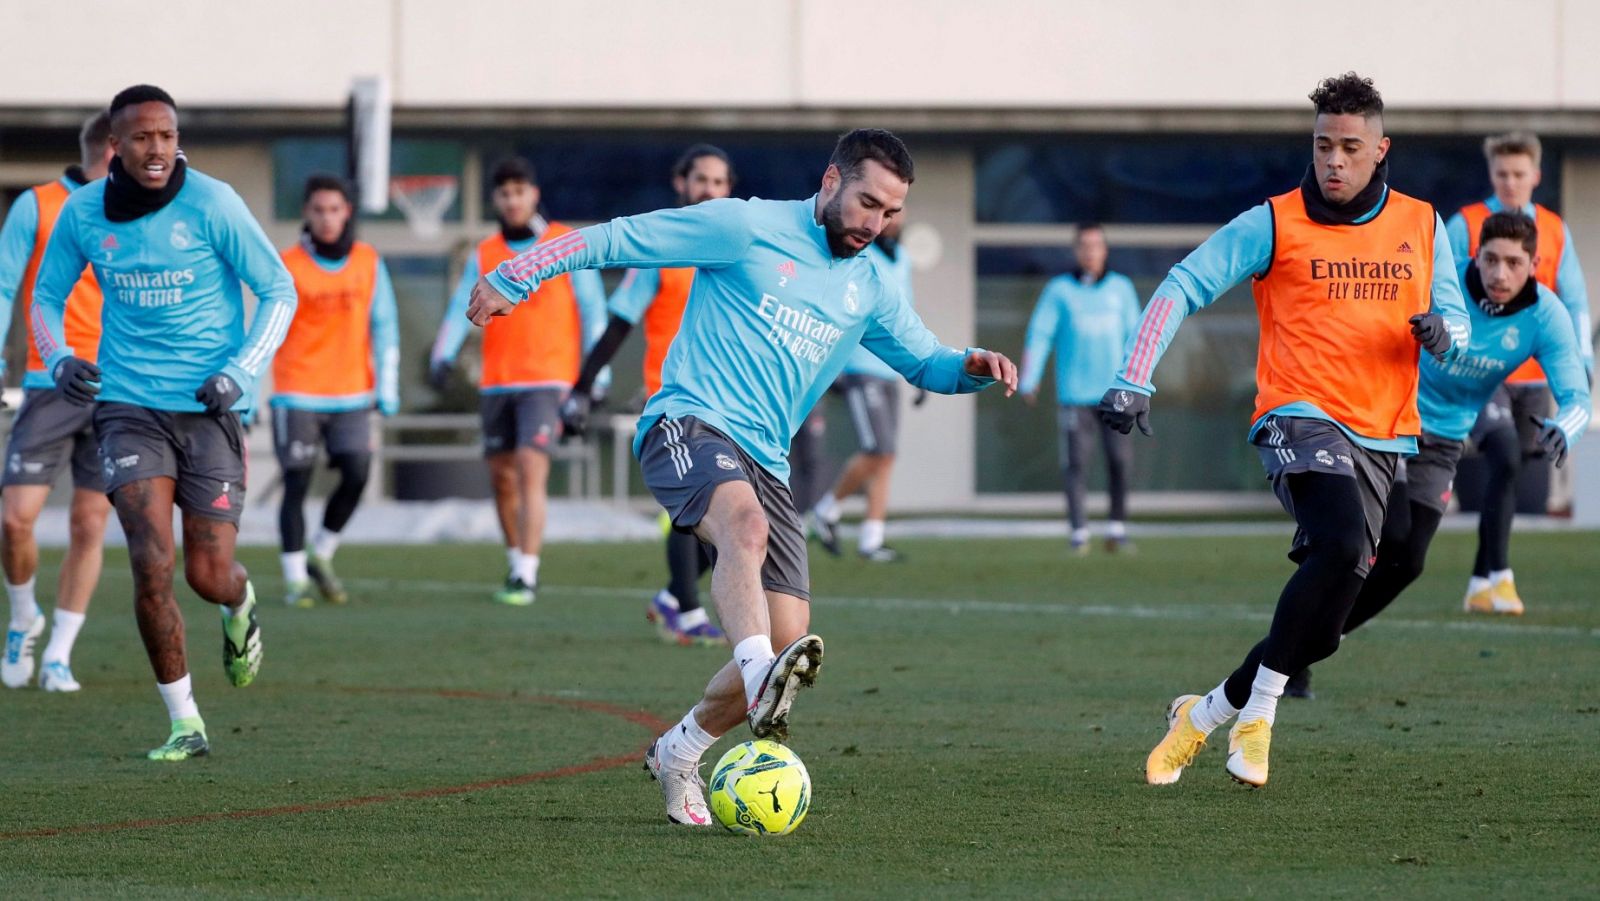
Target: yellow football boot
{"x":1182,"y":744}
{"x":1248,"y":744}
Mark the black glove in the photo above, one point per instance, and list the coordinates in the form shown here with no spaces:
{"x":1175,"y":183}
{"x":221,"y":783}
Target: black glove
{"x":219,"y":393}
{"x":920,"y":398}
{"x":78,"y":379}
{"x":439,"y":374}
{"x":1430,"y":331}
{"x":1552,"y":441}
{"x":1122,"y":410}
{"x":575,"y":414}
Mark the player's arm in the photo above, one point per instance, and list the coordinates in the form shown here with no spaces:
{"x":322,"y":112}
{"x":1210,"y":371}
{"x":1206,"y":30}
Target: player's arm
{"x":708,"y":235}
{"x":1574,"y":294}
{"x":16,"y":245}
{"x":898,"y":336}
{"x":1448,"y":305}
{"x":242,"y":244}
{"x":1039,"y":340}
{"x":453,"y":327}
{"x":1456,"y":234}
{"x":1557,"y":351}
{"x":385,"y":325}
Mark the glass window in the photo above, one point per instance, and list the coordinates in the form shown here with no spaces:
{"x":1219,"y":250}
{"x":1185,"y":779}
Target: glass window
{"x":294,"y":159}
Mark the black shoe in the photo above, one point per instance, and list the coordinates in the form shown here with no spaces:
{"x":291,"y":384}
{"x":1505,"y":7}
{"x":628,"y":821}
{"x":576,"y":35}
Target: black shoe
{"x":827,"y":534}
{"x":1299,"y":686}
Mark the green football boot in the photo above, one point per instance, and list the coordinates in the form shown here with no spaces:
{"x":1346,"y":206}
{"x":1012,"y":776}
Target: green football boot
{"x":515,"y":592}
{"x":188,"y":739}
{"x":241,"y":641}
{"x":321,"y":572}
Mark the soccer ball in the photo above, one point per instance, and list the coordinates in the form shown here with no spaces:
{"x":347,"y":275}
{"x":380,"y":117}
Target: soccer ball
{"x":760,"y":788}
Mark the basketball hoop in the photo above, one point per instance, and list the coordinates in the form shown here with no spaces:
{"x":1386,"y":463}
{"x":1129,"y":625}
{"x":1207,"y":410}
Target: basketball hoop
{"x":424,"y":199}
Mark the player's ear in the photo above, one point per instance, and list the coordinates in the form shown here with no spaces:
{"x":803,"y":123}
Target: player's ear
{"x":830,"y":180}
{"x":1383,"y":148}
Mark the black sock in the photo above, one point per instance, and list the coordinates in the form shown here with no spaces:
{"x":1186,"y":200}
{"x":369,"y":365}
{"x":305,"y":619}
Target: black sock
{"x":292,"y":511}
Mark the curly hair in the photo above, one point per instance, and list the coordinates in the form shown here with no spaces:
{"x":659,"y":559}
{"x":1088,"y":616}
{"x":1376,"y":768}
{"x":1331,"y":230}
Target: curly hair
{"x":1347,"y":95}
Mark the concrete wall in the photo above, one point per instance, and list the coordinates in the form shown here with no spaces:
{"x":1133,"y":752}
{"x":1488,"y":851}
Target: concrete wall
{"x":1014,"y":54}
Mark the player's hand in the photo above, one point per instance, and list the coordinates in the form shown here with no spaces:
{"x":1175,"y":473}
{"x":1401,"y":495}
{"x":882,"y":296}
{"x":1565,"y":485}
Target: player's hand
{"x":920,"y":398}
{"x":439,"y":373}
{"x":1122,"y":409}
{"x":78,"y":379}
{"x":1431,"y":332}
{"x":575,"y":414}
{"x":1552,"y":441}
{"x":219,"y":393}
{"x":988,"y":363}
{"x":487,"y":303}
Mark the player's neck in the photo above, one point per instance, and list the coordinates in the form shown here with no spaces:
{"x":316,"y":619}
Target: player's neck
{"x":1357,"y":209}
{"x":127,"y":200}
{"x":1523,"y":299}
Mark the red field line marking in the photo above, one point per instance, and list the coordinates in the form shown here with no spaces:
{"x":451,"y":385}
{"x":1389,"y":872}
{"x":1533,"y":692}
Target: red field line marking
{"x":637,"y":717}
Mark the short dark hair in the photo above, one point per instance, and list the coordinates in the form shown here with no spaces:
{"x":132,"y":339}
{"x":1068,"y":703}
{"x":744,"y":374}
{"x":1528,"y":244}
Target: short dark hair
{"x":326,"y":181}
{"x":859,"y":145}
{"x":685,"y":163}
{"x":513,"y":168}
{"x":140,"y":93}
{"x":1090,"y":226}
{"x":1513,"y":226}
{"x":94,"y":136}
{"x":1347,"y":95}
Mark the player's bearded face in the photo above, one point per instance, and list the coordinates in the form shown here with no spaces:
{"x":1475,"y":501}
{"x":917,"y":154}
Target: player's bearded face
{"x":860,"y":208}
{"x":1505,"y":267}
{"x":516,"y":202}
{"x":327,"y":212}
{"x":708,"y":179}
{"x":1346,"y":151}
{"x":145,"y":138}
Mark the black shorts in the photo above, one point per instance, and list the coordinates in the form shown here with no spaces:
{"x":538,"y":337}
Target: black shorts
{"x":684,"y":460}
{"x":874,"y":406}
{"x":203,"y":454}
{"x":1430,"y":476}
{"x":1294,"y":444}
{"x":514,"y":419}
{"x":297,"y":434}
{"x":47,"y":432}
{"x":1514,"y":407}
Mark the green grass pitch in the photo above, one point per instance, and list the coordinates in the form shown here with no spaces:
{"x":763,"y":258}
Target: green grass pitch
{"x":978,"y":730}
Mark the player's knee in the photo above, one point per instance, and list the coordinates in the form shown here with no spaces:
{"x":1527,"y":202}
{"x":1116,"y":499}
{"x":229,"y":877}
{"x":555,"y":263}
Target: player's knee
{"x":353,"y":468}
{"x":1346,"y":549}
{"x":87,"y":529}
{"x":152,"y":566}
{"x":17,"y":522}
{"x":210,"y":575}
{"x":745,"y":532}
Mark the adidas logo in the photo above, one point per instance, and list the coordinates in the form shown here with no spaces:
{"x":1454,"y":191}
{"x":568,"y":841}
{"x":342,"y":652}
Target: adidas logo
{"x":222,"y":502}
{"x":1405,"y":247}
{"x":110,"y":243}
{"x":786,"y":269}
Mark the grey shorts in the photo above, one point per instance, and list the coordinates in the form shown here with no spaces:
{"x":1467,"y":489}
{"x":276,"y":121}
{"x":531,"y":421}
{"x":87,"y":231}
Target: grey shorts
{"x":874,"y":406}
{"x":203,"y":454}
{"x":48,"y":432}
{"x":297,"y":434}
{"x":1430,"y":476}
{"x":514,"y":419}
{"x":1294,"y":444}
{"x":684,"y":460}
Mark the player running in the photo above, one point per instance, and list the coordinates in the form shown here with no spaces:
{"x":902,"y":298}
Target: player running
{"x":1350,"y":277}
{"x":1505,"y":430}
{"x":871,"y":390}
{"x":530,"y":362}
{"x":1085,"y":318}
{"x":780,"y":298}
{"x":49,"y":432}
{"x":169,"y":246}
{"x":340,"y":359}
{"x":657,"y":297}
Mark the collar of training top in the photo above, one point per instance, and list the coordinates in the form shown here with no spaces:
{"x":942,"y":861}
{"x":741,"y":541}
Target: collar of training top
{"x":338,"y":250}
{"x":76,"y":175}
{"x":1324,"y":213}
{"x":1527,"y":297}
{"x":127,"y":200}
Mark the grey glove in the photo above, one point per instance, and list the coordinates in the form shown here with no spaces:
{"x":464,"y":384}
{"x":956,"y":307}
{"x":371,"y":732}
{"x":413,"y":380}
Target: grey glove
{"x":78,"y":379}
{"x":575,"y":414}
{"x":1552,"y":441}
{"x":1431,"y":332}
{"x":439,"y":374}
{"x":219,"y":393}
{"x":1122,"y":410}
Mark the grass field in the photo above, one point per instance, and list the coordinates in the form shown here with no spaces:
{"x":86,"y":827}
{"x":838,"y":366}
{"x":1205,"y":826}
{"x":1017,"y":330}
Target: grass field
{"x":979,"y":730}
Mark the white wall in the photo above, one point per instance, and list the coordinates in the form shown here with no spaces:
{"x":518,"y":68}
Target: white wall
{"x":1012,"y":54}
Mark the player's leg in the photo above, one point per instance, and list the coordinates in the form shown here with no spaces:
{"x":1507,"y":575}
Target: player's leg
{"x":1416,"y":507}
{"x":859,"y":470}
{"x":348,"y":437}
{"x":498,"y":413}
{"x":294,"y":442}
{"x":1502,"y":453}
{"x":20,"y":554}
{"x":676,"y":609}
{"x":80,"y":573}
{"x":883,"y":414}
{"x":1119,"y":456}
{"x":1074,"y":449}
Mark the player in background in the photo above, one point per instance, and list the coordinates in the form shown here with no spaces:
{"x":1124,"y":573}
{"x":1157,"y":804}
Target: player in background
{"x":530,"y":362}
{"x":341,"y":358}
{"x":1085,"y":318}
{"x":49,"y":432}
{"x":656,"y":298}
{"x":871,"y":390}
{"x":169,"y":246}
{"x":1350,"y":277}
{"x":1505,"y":432}
{"x":781,"y":296}
{"x":1514,"y":319}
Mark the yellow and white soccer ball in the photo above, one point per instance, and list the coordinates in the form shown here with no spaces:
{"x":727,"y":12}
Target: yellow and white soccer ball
{"x":760,"y":788}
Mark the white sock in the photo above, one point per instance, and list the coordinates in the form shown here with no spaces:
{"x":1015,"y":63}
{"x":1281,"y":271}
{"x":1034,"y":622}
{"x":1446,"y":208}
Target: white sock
{"x":754,"y":656}
{"x":1212,"y":710}
{"x":1264,"y":694}
{"x":684,"y":744}
{"x":325,"y":544}
{"x":1499,"y":576}
{"x":667,"y":599}
{"x":513,"y":557}
{"x":62,"y":634}
{"x":179,"y":698}
{"x":294,"y":567}
{"x":871,"y":535}
{"x":695,"y":617}
{"x":24,"y":609}
{"x":1477,"y":584}
{"x":828,"y":509}
{"x":1080,"y":536}
{"x":527,"y":568}
{"x":1118,"y":529}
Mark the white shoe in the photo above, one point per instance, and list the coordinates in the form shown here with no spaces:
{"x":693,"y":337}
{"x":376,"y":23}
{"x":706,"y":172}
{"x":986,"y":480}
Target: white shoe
{"x":57,"y":676}
{"x":17,"y":669}
{"x":683,"y":790}
{"x":796,"y":667}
